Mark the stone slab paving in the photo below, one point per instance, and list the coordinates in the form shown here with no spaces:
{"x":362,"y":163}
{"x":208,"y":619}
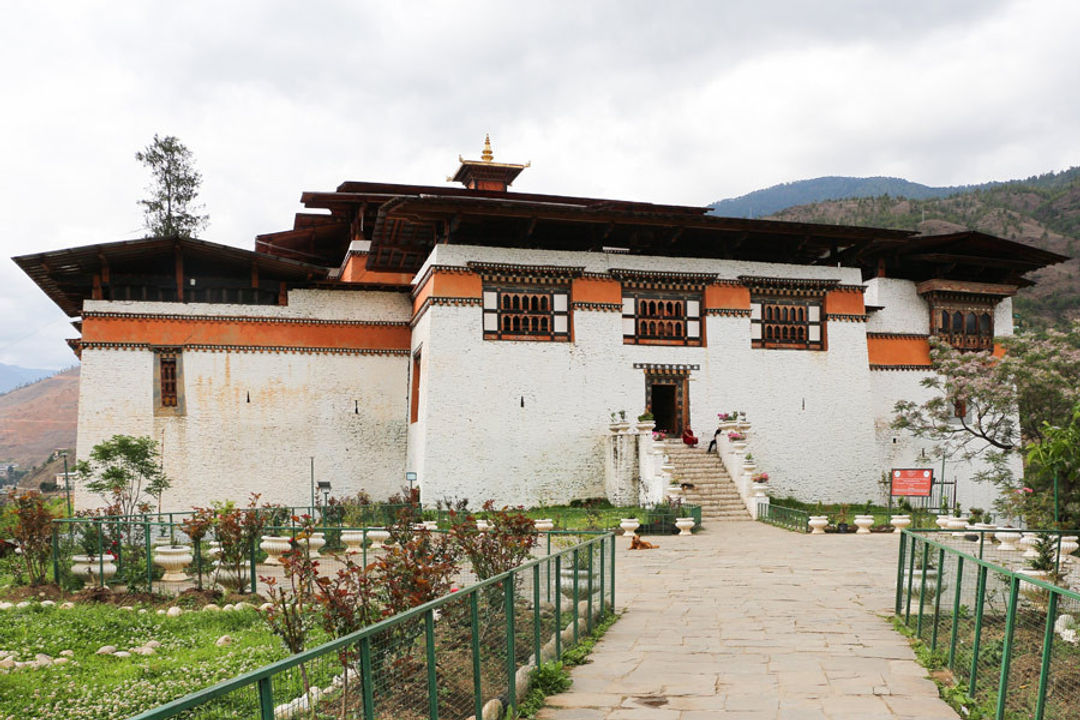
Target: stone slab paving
{"x":750,"y":621}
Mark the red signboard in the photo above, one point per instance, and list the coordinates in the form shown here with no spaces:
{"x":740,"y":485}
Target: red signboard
{"x":911,"y":482}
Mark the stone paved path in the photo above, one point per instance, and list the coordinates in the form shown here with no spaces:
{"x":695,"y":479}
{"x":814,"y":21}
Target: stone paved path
{"x":751,"y":621}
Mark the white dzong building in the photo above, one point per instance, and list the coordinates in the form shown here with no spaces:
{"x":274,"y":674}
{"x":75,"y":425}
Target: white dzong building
{"x":482,"y":339}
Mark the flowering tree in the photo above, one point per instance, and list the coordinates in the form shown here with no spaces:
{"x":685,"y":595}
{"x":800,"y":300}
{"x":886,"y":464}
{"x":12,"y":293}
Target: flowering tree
{"x":987,"y":406}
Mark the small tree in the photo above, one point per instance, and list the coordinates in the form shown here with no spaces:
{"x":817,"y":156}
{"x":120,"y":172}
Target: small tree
{"x":123,"y":470}
{"x":31,"y":529}
{"x":170,"y":210}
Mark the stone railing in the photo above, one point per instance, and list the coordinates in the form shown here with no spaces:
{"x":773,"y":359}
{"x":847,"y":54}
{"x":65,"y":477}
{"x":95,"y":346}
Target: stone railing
{"x":733,"y":453}
{"x":635,"y":466}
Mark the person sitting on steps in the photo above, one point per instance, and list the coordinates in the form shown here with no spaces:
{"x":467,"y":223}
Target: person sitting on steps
{"x":688,"y":437}
{"x":715,"y":439}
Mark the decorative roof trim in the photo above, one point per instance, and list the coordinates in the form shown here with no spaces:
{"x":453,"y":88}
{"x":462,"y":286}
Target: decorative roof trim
{"x":666,"y":368}
{"x":845,"y":317}
{"x":850,"y":288}
{"x":819,"y":284}
{"x":243,"y":348}
{"x":603,"y":307}
{"x":728,"y":312}
{"x":487,"y":269}
{"x":659,"y":276}
{"x":896,"y":336}
{"x":235,"y":318}
{"x":452,"y":301}
{"x":923,"y":368}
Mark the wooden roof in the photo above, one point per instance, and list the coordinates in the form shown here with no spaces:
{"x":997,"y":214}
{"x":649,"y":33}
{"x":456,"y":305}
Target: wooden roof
{"x":67,"y":276}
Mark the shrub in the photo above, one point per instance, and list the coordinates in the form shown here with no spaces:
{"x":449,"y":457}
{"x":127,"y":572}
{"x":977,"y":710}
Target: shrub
{"x":31,"y":528}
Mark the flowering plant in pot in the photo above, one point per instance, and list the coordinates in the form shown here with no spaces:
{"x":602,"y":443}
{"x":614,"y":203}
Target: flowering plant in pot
{"x":760,"y":477}
{"x":736,"y":436}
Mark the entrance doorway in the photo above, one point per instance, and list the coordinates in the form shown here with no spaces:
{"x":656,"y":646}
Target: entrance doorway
{"x":666,"y":396}
{"x":663,"y":408}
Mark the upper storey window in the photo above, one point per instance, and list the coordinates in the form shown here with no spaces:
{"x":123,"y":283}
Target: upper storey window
{"x":662,"y":319}
{"x":662,"y":308}
{"x":519,"y":313}
{"x":967,"y":328}
{"x":787,"y":313}
{"x":526,"y":302}
{"x":962,"y":313}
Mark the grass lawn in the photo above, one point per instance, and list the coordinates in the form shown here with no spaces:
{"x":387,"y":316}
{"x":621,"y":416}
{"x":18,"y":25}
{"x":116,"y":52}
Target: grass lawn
{"x":919,"y":518}
{"x":104,"y":686}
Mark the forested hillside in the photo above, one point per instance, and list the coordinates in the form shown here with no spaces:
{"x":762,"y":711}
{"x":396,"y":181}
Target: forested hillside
{"x":1043,"y":211}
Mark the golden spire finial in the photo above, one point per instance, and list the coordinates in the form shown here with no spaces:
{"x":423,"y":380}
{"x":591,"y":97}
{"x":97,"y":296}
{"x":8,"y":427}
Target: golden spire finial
{"x":487,"y":155}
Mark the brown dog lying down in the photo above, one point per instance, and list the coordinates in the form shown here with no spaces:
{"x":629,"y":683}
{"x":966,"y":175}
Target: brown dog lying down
{"x":638,"y":544}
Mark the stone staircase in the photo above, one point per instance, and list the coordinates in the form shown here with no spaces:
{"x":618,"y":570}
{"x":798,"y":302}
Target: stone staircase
{"x":713,"y":489}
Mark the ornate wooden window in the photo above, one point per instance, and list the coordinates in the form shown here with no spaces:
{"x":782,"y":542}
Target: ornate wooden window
{"x":526,"y":313}
{"x":662,"y":319}
{"x":168,"y":382}
{"x":787,"y":313}
{"x":967,"y":327}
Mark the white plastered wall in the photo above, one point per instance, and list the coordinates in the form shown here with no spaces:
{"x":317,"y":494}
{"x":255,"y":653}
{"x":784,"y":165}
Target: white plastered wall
{"x":253,"y":420}
{"x":810,"y":410}
{"x":905,"y":311}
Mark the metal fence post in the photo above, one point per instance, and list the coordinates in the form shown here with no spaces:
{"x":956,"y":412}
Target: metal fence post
{"x":432,"y":679}
{"x":576,"y":602}
{"x":149,"y":559}
{"x":589,"y":587}
{"x":937,"y":596}
{"x":251,"y":556}
{"x":474,"y":622}
{"x":900,"y":572}
{"x":603,"y":544}
{"x":612,"y":573}
{"x":366,"y":679}
{"x":536,"y":613}
{"x":511,"y":663}
{"x":266,"y":699}
{"x":980,"y":596}
{"x":910,"y":581}
{"x":1048,"y":644}
{"x":558,"y":608}
{"x":1006,"y":650}
{"x":956,"y":610}
{"x":101,"y":555}
{"x":922,"y":588}
{"x":55,"y":554}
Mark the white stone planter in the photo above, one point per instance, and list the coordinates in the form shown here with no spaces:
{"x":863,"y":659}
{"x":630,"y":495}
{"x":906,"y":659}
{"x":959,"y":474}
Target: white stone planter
{"x":544,"y":525}
{"x":354,"y":541}
{"x":174,"y":559}
{"x":957,"y":525}
{"x":674,"y":491}
{"x":482,"y":525}
{"x":817,"y":524}
{"x":315,"y":543}
{"x":759,"y":489}
{"x":1008,"y":539}
{"x":900,"y":521}
{"x":942,"y":521}
{"x":566,"y":583}
{"x":1069,"y":545}
{"x":685,"y":525}
{"x":864,"y":523}
{"x":274,"y":546}
{"x":620,"y":426}
{"x":629,"y":525}
{"x":738,"y":445}
{"x":378,"y":537}
{"x":431,"y":525}
{"x":89,"y":567}
{"x":1028,"y":541}
{"x":645,"y":427}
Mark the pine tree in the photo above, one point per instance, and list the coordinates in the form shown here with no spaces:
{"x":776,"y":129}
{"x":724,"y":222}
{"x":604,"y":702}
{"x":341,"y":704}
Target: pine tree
{"x":170,"y":210}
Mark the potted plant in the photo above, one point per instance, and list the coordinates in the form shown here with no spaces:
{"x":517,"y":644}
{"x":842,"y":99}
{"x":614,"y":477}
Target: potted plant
{"x":841,"y":520}
{"x":645,"y":422}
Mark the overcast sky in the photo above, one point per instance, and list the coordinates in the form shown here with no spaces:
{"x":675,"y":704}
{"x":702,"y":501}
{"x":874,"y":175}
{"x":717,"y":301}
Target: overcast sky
{"x":674,"y":102}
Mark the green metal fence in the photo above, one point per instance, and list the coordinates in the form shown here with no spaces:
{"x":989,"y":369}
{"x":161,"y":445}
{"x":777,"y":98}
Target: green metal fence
{"x":448,"y":658}
{"x":1009,"y":637}
{"x":785,"y":517}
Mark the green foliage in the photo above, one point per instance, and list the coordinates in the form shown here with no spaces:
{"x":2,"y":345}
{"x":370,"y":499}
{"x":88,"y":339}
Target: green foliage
{"x":579,"y":654}
{"x":122,"y":470}
{"x":548,"y":679}
{"x":170,"y":210}
{"x":506,"y":543}
{"x":28,"y":521}
{"x":1057,"y":460}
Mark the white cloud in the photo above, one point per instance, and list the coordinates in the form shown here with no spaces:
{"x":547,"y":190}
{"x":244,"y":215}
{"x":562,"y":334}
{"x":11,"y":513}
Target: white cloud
{"x":682,"y":102}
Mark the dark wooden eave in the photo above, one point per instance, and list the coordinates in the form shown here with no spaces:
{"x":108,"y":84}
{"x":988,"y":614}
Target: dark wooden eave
{"x":68,"y":276}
